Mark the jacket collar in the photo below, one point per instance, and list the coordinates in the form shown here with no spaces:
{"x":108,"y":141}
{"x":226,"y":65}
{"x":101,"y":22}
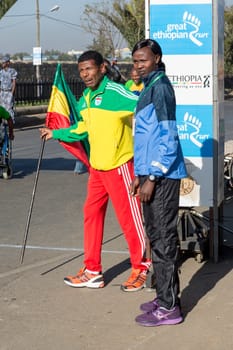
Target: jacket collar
{"x":152,"y":76}
{"x":99,"y":90}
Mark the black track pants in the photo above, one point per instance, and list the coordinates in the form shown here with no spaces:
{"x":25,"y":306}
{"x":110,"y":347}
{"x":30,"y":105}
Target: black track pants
{"x":160,"y":217}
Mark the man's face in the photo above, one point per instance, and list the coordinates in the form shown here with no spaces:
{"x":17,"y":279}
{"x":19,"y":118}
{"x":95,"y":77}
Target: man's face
{"x":90,"y":73}
{"x":5,"y":64}
{"x":145,"y":61}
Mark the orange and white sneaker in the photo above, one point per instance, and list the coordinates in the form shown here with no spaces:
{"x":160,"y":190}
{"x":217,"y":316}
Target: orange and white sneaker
{"x":85,"y":279}
{"x":136,"y":281}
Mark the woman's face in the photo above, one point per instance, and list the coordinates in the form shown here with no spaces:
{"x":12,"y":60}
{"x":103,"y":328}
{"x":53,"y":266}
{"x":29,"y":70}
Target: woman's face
{"x":145,"y":61}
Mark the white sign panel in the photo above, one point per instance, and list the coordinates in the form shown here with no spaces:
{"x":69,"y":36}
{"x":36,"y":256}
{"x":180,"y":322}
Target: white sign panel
{"x":37,"y":56}
{"x":191,"y":77}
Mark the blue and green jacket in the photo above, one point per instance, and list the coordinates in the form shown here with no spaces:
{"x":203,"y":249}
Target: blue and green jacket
{"x":157,"y":148}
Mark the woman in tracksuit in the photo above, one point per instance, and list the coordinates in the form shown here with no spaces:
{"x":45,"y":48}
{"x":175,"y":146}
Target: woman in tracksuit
{"x":159,"y":166}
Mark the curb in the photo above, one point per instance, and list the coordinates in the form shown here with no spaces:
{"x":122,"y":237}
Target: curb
{"x":31,"y":110}
{"x":29,"y":117}
{"x":29,"y":121}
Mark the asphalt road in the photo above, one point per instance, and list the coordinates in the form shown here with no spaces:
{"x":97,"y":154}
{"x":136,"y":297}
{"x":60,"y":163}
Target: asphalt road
{"x":56,"y":215}
{"x":38,"y":312}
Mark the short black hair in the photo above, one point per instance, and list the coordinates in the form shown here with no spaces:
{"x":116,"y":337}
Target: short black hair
{"x":152,"y":44}
{"x":91,"y":55}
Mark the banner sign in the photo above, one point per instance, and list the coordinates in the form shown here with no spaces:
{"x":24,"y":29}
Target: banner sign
{"x":184,"y":29}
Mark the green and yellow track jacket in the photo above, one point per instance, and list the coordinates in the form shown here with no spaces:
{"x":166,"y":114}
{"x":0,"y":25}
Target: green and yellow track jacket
{"x":107,"y":115}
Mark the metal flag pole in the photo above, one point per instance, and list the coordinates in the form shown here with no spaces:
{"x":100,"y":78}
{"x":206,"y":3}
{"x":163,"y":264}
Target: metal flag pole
{"x":32,"y":201}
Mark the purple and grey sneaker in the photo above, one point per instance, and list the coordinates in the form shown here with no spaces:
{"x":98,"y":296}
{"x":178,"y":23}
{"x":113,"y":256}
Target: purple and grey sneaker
{"x":160,"y":316}
{"x":149,"y":306}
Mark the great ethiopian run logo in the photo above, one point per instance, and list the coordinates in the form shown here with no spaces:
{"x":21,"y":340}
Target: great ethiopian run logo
{"x":194,"y":129}
{"x":183,"y":29}
{"x":188,"y":28}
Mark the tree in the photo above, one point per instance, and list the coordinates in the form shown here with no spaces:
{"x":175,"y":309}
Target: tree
{"x":228,"y":40}
{"x":5,"y":5}
{"x":103,"y":43}
{"x":129,"y":19}
{"x":113,"y":22}
{"x":19,"y":56}
{"x":106,"y":36}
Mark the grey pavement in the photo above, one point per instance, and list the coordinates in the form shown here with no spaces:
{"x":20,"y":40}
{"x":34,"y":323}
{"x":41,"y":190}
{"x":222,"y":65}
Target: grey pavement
{"x":39,"y":312}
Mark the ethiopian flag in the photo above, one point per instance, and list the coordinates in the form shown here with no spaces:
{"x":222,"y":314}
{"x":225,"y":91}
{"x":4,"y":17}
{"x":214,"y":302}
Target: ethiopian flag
{"x":63,"y":112}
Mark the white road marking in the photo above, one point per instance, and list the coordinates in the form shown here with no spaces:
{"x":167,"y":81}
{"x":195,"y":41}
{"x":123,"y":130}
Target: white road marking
{"x":24,"y":268}
{"x":17,"y":246}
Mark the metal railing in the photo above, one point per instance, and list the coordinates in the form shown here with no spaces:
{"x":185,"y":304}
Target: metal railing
{"x":32,"y":93}
{"x":27,"y":91}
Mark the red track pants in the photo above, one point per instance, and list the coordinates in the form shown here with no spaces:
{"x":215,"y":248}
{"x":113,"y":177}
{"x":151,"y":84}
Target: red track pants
{"x":113,"y":184}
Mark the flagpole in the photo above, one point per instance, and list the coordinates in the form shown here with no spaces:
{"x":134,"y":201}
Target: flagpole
{"x":32,"y":201}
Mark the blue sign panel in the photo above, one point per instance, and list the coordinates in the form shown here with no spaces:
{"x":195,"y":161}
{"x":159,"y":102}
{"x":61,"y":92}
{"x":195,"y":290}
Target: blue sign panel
{"x":182,"y":29}
{"x":194,"y":123}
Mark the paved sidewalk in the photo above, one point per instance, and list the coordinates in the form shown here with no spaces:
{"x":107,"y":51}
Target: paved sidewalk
{"x":39,"y":312}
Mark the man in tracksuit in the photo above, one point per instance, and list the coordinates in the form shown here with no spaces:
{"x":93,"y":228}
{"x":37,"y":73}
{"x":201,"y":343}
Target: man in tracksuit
{"x":159,"y":166}
{"x":106,"y":109}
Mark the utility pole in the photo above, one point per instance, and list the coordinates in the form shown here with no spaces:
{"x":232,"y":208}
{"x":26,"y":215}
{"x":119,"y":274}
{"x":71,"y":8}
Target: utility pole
{"x":37,"y":53}
{"x":38,"y":45}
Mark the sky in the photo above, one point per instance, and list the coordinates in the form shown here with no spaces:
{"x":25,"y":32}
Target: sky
{"x":18,"y":26}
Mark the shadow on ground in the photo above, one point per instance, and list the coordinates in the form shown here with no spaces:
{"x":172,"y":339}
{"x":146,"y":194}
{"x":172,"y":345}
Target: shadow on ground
{"x":205,"y":280}
{"x":30,"y":165}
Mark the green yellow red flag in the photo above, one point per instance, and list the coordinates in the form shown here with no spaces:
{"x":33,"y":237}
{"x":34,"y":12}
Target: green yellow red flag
{"x":63,"y":112}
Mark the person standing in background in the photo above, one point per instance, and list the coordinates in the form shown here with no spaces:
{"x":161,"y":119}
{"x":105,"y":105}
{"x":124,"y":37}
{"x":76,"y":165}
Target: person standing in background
{"x":135,"y":84}
{"x":7,"y":86}
{"x":115,"y":66}
{"x":111,"y":71}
